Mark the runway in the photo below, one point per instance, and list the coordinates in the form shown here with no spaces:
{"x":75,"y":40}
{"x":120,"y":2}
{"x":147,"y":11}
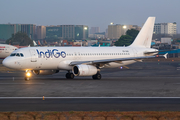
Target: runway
{"x":90,"y":104}
{"x":147,"y":86}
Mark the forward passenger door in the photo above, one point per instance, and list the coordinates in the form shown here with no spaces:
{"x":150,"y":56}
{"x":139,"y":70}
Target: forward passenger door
{"x":33,"y":55}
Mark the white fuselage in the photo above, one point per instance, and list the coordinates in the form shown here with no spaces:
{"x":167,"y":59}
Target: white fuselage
{"x":6,"y":50}
{"x":59,"y":58}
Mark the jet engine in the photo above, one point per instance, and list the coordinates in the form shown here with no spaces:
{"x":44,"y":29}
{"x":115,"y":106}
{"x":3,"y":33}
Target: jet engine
{"x":84,"y":70}
{"x":45,"y":72}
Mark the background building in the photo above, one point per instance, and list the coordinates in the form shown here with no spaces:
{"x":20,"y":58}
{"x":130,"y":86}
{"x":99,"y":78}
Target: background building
{"x":116,"y":31}
{"x":94,"y":30}
{"x":165,"y":28}
{"x":6,"y":30}
{"x":68,"y":32}
{"x":29,"y":29}
{"x":98,"y":35}
{"x":81,"y":32}
{"x":166,"y":40}
{"x":41,"y":32}
{"x":54,"y":32}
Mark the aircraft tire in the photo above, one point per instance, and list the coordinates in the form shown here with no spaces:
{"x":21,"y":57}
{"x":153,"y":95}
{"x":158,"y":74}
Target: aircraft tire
{"x":94,"y":77}
{"x":69,"y":75}
{"x":97,"y":76}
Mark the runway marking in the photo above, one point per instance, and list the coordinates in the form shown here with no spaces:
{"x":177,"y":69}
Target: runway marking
{"x":89,"y":97}
{"x":22,"y":83}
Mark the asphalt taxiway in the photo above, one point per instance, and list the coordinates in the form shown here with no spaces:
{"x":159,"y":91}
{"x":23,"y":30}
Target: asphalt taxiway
{"x":159,"y":81}
{"x":90,"y":104}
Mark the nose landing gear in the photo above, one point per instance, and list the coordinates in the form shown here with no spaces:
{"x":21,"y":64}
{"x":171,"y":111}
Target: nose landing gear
{"x":27,"y":75}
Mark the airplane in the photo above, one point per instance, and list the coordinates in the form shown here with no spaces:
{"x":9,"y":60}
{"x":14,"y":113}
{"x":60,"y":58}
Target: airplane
{"x":82,"y":61}
{"x":6,"y":50}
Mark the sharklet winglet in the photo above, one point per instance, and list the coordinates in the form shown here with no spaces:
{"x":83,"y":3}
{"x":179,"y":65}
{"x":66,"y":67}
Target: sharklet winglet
{"x":165,"y":55}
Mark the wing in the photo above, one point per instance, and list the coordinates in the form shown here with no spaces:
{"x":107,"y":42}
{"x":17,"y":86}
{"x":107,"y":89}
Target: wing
{"x":105,"y":61}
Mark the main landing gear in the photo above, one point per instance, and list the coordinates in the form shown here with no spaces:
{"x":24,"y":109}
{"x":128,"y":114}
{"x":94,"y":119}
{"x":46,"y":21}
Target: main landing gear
{"x":69,"y":75}
{"x":27,"y":75}
{"x":97,"y":76}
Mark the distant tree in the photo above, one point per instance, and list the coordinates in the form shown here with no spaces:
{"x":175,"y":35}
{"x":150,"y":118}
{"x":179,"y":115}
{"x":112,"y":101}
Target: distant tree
{"x":133,"y":33}
{"x":128,"y":38}
{"x":124,"y":40}
{"x":21,"y":39}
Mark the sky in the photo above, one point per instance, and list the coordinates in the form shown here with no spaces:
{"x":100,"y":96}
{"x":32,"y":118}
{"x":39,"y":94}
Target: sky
{"x":94,"y":13}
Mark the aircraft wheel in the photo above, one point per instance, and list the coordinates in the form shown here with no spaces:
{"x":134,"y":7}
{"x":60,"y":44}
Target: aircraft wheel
{"x":94,"y":76}
{"x":69,"y":75}
{"x":97,"y":76}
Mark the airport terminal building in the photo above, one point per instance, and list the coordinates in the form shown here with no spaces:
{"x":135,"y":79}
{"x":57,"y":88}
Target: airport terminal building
{"x":68,"y":32}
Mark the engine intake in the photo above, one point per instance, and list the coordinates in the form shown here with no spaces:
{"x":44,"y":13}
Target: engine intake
{"x":45,"y":72}
{"x":84,"y":70}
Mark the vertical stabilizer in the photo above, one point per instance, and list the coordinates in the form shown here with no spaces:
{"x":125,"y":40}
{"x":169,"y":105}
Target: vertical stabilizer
{"x":144,"y":38}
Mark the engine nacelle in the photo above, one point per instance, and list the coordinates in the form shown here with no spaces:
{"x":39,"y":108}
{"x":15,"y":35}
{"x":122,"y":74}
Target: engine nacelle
{"x":45,"y":72}
{"x":84,"y":70}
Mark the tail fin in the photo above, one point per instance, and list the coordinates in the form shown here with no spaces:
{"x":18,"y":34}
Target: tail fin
{"x":34,"y":43}
{"x":144,"y":37}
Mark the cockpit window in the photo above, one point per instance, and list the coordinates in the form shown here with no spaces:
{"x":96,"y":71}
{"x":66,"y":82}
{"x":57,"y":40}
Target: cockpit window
{"x":17,"y":54}
{"x":13,"y":54}
{"x":21,"y":55}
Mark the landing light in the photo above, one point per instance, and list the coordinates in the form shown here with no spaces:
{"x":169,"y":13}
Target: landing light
{"x":28,"y":74}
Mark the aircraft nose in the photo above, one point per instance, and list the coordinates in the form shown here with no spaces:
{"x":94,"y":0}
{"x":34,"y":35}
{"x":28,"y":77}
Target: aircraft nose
{"x":7,"y":62}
